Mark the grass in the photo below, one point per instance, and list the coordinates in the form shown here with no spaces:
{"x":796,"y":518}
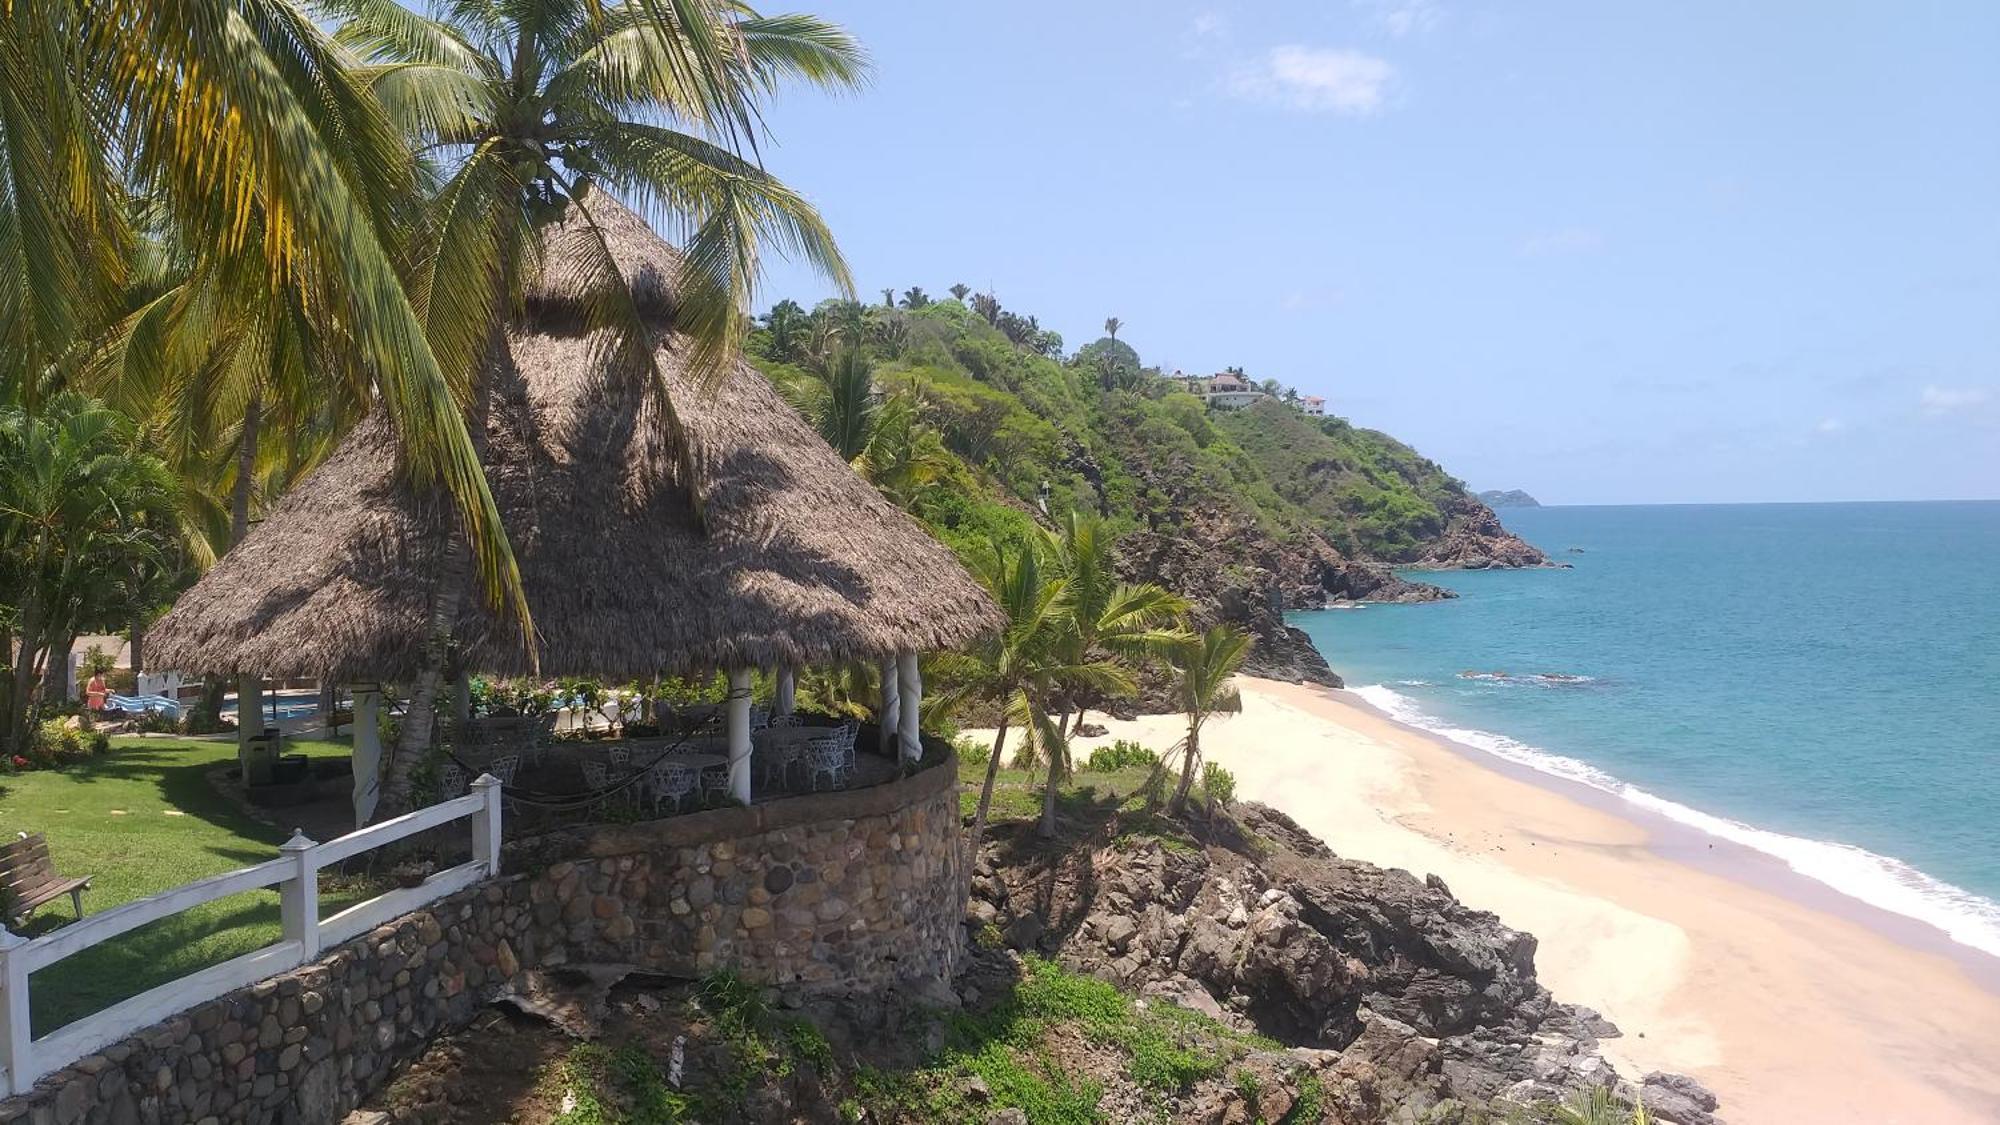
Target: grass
{"x":1085,"y":795}
{"x":140,"y":820}
{"x":1166,"y":1050}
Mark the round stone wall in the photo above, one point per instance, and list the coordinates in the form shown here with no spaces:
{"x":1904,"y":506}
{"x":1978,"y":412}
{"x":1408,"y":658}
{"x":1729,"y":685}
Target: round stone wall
{"x":859,"y":889}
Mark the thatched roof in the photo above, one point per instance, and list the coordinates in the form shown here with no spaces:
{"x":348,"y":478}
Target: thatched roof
{"x":802,"y":562}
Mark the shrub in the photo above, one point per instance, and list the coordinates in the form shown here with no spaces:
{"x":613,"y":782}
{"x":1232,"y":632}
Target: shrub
{"x":1218,"y":786}
{"x":1121,"y":754}
{"x":972,"y":751}
{"x":56,"y":744}
{"x":100,"y":743}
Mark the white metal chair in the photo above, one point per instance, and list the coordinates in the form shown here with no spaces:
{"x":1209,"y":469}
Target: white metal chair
{"x":671,"y":780}
{"x":825,"y":758}
{"x":597,"y":778}
{"x":778,"y":758}
{"x":504,"y":767}
{"x":451,"y":781}
{"x":621,"y":757}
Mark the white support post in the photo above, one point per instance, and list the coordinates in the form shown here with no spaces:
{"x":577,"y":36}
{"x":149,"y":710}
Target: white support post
{"x":298,"y":896}
{"x":890,"y":712}
{"x":786,"y":696}
{"x":367,"y":752}
{"x":16,"y":1039}
{"x":739,"y":734}
{"x":486,"y":823}
{"x":910,"y":689}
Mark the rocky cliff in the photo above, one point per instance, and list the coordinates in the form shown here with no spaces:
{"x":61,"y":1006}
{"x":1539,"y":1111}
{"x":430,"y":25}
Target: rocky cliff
{"x":1396,"y":997}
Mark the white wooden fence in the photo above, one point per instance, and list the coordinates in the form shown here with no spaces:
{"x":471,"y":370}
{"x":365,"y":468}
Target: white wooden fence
{"x":296,"y":875}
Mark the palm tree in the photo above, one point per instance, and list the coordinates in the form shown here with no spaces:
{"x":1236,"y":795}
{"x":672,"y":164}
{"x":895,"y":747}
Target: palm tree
{"x":959,"y":291}
{"x":249,"y":130}
{"x":879,"y":435}
{"x":527,"y":111}
{"x":988,"y":306}
{"x":915,"y":297}
{"x":888,"y":298}
{"x":1203,"y":667}
{"x":1112,"y":325}
{"x":82,"y":510}
{"x":1104,"y":617}
{"x":786,"y":322}
{"x":1018,"y":668}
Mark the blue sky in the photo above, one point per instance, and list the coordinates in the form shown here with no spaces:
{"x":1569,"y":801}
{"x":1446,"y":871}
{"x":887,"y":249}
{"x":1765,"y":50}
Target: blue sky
{"x":1604,"y":252}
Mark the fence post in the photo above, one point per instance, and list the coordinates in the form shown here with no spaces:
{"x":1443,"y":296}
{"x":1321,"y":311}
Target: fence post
{"x":16,"y":1037}
{"x":486,"y":823}
{"x":298,"y":896}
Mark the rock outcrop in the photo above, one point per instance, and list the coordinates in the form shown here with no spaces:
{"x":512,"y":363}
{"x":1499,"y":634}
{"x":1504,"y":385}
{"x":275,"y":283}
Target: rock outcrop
{"x":1474,"y":539}
{"x":1405,"y":998}
{"x":1238,"y":573}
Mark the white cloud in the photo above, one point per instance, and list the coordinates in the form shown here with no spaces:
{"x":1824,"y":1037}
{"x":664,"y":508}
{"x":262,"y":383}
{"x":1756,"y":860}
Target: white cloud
{"x":1939,"y":401}
{"x":1403,"y":18}
{"x":1830,"y":427}
{"x":1318,"y":79}
{"x":1209,"y":25}
{"x":1563,"y":240}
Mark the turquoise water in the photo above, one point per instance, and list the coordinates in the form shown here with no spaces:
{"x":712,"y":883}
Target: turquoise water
{"x":1814,"y":680}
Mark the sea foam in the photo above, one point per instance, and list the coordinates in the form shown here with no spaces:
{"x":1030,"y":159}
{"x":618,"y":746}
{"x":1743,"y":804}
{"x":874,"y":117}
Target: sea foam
{"x":1878,"y":880}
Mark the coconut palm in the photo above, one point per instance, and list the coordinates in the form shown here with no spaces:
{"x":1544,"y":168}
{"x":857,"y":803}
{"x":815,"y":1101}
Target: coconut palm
{"x":915,"y":297}
{"x":1203,"y":667}
{"x":988,"y":306}
{"x":1019,"y":668}
{"x":881,"y":436}
{"x":1112,"y":325}
{"x":787,"y":323}
{"x":959,"y":291}
{"x":247,"y":127}
{"x":1104,"y":617}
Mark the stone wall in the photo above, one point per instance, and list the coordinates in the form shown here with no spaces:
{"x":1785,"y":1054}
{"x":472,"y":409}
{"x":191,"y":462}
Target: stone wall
{"x":858,"y":891}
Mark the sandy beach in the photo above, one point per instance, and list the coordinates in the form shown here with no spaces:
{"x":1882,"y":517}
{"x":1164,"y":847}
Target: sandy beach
{"x":1793,"y":1003}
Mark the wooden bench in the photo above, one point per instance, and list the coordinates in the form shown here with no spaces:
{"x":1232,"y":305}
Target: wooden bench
{"x":28,"y":878}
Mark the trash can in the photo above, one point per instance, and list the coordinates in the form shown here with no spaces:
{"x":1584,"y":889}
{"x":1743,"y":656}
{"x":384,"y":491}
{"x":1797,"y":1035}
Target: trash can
{"x":260,"y":757}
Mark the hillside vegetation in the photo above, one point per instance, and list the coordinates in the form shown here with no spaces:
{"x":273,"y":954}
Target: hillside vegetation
{"x":981,"y":424}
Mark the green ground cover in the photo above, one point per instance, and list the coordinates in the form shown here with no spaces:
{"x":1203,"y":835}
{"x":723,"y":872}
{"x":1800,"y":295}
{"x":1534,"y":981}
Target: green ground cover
{"x":140,"y":820}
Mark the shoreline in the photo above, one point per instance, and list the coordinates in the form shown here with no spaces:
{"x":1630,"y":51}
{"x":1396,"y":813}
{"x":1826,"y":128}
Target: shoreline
{"x":1789,"y":999}
{"x":1678,"y":842}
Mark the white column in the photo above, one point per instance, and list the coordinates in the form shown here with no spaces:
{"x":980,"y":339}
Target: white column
{"x":367,"y":752}
{"x":785,"y":699}
{"x":250,"y":718}
{"x":910,"y":689}
{"x":739,"y":734}
{"x":890,"y":711}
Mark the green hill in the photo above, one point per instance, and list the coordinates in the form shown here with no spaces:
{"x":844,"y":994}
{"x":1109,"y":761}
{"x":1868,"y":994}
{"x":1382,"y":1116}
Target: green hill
{"x":1248,"y":511}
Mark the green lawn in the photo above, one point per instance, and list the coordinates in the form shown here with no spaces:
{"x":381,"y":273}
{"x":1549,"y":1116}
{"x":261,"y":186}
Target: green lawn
{"x":1085,"y":802}
{"x":140,"y":820}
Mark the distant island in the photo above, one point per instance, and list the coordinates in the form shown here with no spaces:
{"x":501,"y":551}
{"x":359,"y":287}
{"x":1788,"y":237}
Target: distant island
{"x":1508,"y":498}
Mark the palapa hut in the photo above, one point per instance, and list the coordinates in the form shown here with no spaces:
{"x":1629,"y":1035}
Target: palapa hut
{"x":795,"y":561}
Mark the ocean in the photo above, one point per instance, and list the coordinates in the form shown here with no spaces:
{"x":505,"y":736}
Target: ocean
{"x":1820,"y":682}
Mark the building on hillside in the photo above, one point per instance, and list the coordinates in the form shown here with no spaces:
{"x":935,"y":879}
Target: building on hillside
{"x":1231,"y":391}
{"x":1312,"y":405}
{"x":1192,"y":384}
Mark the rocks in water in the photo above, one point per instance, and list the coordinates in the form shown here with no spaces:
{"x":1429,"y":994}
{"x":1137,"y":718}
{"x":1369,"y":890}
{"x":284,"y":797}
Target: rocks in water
{"x":1407,"y":998}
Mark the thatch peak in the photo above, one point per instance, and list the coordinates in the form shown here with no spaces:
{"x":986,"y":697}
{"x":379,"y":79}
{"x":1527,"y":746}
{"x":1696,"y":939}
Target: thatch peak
{"x":802,"y":562}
